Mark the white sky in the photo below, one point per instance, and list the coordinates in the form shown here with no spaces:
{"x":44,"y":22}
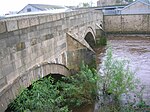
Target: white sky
{"x":16,"y":5}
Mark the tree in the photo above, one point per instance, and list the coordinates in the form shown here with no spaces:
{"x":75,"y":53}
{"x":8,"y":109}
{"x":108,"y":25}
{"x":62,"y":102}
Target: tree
{"x":86,"y":4}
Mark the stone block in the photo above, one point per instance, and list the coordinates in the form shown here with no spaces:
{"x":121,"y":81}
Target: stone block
{"x":24,"y":31}
{"x":54,"y":17}
{"x":21,"y":70}
{"x":13,"y":33}
{"x":16,"y":88}
{"x":11,"y":25}
{"x":4,"y":52}
{"x":32,"y":28}
{"x":18,"y":63}
{"x":2,"y":27}
{"x":5,"y":60}
{"x":49,"y":36}
{"x":24,"y":38}
{"x":23,"y":23}
{"x":34,"y":21}
{"x":58,"y":16}
{"x":12,"y":76}
{"x":42,"y":19}
{"x":49,"y":18}
{"x":24,"y":80}
{"x":8,"y":69}
{"x":12,"y":41}
{"x":2,"y":43}
{"x":3,"y":82}
{"x":3,"y":35}
{"x":33,"y":41}
{"x":33,"y":56}
{"x":3,"y":104}
{"x":9,"y":96}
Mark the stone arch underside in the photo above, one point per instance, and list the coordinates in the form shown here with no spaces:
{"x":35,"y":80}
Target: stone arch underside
{"x":90,"y":37}
{"x":25,"y":80}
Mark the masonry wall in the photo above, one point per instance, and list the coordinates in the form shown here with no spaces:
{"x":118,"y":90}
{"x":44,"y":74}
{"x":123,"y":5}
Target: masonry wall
{"x":126,"y":24}
{"x":27,"y":41}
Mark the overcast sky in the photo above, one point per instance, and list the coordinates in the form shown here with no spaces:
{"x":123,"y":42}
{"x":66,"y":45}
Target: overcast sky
{"x":16,"y":5}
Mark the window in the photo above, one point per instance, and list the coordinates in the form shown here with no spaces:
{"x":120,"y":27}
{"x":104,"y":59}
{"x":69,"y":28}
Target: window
{"x":28,"y":9}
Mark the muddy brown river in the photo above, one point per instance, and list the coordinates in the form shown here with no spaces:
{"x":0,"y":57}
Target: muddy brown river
{"x":136,"y":49}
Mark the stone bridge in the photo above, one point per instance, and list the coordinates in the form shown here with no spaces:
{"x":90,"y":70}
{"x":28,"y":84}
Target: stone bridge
{"x":37,"y":45}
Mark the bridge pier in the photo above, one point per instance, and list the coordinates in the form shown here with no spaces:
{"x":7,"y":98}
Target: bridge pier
{"x":78,"y":52}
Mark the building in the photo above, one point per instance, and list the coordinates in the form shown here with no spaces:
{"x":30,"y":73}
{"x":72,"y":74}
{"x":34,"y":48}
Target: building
{"x":40,"y":7}
{"x":137,"y":7}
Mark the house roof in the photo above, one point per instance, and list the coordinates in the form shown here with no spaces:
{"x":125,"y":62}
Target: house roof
{"x":146,"y":2}
{"x":43,"y":7}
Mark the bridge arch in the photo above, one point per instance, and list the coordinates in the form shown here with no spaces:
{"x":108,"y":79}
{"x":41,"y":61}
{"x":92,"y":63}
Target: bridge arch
{"x":90,"y":37}
{"x":26,"y":79}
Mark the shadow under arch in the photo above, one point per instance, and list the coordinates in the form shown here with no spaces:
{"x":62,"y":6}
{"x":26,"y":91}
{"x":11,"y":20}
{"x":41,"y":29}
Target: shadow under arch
{"x":90,"y":39}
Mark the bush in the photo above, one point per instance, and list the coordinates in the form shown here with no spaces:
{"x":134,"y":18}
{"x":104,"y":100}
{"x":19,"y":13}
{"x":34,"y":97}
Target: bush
{"x":102,"y":41}
{"x":118,"y":78}
{"x":48,"y":95}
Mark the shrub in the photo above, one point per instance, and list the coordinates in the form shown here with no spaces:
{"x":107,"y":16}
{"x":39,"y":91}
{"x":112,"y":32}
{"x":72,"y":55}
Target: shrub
{"x":48,"y":95}
{"x":118,"y":78}
{"x":102,"y":41}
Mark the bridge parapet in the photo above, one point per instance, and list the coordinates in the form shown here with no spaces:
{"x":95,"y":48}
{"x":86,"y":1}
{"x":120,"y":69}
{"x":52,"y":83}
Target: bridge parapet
{"x":26,"y":41}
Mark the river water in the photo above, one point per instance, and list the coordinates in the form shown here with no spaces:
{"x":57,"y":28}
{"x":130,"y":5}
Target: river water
{"x":136,"y":49}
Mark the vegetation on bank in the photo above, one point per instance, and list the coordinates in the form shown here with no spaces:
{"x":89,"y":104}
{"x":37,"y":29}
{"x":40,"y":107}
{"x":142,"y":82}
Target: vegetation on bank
{"x":49,"y":95}
{"x":102,"y":41}
{"x":86,"y":87}
{"x":119,"y":90}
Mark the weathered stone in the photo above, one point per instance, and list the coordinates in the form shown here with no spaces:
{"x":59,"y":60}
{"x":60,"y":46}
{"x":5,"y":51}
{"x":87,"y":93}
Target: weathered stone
{"x":5,"y":61}
{"x":3,"y":82}
{"x":2,"y":43}
{"x":12,"y":41}
{"x":7,"y":69}
{"x":49,"y":36}
{"x":32,"y":40}
{"x":23,"y":23}
{"x":10,"y":77}
{"x":3,"y":104}
{"x":2,"y":27}
{"x":18,"y":63}
{"x":42,"y":19}
{"x":12,"y":25}
{"x":49,"y":18}
{"x":126,"y":23}
{"x":34,"y":21}
{"x":4,"y":52}
{"x":16,"y":88}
